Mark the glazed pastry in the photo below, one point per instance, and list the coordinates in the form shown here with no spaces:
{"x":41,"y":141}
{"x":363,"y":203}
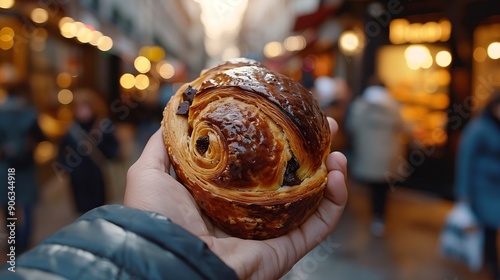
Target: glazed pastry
{"x":250,"y":145}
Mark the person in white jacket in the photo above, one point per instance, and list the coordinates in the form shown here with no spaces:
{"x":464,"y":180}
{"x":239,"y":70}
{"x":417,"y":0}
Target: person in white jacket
{"x":375,"y":125}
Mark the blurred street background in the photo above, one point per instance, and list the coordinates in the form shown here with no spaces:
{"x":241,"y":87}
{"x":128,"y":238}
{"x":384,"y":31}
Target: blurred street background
{"x":111,"y":66}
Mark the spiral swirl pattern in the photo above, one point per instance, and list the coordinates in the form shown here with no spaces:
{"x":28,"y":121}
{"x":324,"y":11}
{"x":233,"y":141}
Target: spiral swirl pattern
{"x":250,"y":145}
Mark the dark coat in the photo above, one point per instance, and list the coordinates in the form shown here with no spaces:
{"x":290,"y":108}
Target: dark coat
{"x":477,"y":177}
{"x":116,"y":242}
{"x":19,"y":134}
{"x":86,"y":169}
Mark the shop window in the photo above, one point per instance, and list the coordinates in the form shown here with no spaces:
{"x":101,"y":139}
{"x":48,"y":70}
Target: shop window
{"x":418,"y":77}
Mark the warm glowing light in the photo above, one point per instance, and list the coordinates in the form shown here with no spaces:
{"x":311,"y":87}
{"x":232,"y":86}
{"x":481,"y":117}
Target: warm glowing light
{"x":95,"y":37}
{"x":445,"y":26}
{"x":64,"y":20}
{"x":402,"y":31}
{"x":78,"y":25}
{"x":127,"y":81}
{"x":84,"y":35}
{"x":141,"y":82}
{"x":64,"y":80}
{"x":427,"y":62}
{"x":349,"y":42}
{"x":105,"y":43}
{"x":49,"y":125}
{"x":418,"y":56}
{"x":480,"y":54}
{"x":273,"y":49}
{"x":443,"y":77}
{"x":68,"y":30}
{"x":443,"y":58}
{"x":295,"y":43}
{"x":412,"y":33}
{"x":153,"y":53}
{"x":222,"y":21}
{"x":6,"y":38}
{"x":493,"y":50}
{"x":44,"y":152}
{"x":166,"y":70}
{"x":39,"y":15}
{"x":142,"y":64}
{"x":430,"y":32}
{"x":430,"y":85}
{"x":397,"y":30}
{"x":65,"y":96}
{"x":6,"y":4}
{"x":7,"y":31}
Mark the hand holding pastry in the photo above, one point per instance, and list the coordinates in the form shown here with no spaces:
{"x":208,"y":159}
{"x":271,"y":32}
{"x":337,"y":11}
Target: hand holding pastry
{"x":150,"y":187}
{"x":214,"y":134}
{"x":250,"y":145}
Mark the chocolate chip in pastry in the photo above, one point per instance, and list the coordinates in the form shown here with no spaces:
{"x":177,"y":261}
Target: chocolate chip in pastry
{"x":250,"y":145}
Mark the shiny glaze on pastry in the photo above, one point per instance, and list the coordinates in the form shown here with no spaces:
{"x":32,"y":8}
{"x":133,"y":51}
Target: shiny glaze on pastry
{"x":250,"y":145}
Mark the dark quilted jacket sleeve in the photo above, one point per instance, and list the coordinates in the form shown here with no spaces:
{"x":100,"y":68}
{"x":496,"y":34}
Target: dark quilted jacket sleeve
{"x":117,"y":242}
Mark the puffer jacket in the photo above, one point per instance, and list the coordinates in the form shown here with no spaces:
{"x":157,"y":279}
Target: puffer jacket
{"x":477,"y":173}
{"x":376,"y":128}
{"x":117,"y":242}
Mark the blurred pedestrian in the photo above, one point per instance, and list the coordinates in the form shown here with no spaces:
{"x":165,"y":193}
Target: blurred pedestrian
{"x":477,"y":180}
{"x":375,"y":125}
{"x":19,"y":136}
{"x":86,"y":148}
{"x":334,"y":96}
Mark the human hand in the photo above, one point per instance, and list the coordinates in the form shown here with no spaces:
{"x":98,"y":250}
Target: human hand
{"x":150,"y":187}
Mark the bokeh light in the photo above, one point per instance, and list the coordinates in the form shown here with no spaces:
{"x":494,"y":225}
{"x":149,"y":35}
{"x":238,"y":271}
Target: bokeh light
{"x":141,"y":82}
{"x":418,"y":56}
{"x":166,"y":70}
{"x":44,"y":152}
{"x":94,"y":40}
{"x":64,"y":80}
{"x":105,"y":43}
{"x":480,"y":54}
{"x":84,"y":34}
{"x":64,"y":20}
{"x":127,"y":81}
{"x":349,"y":42}
{"x":273,"y":49}
{"x":68,"y":30}
{"x":6,"y":38}
{"x":493,"y":50}
{"x":6,"y":4}
{"x":39,"y":15}
{"x":65,"y":96}
{"x":142,"y":64}
{"x":295,"y":43}
{"x":443,"y":58}
{"x":153,"y":53}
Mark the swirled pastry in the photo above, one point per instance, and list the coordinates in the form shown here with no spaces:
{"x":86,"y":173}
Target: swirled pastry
{"x":250,"y":145}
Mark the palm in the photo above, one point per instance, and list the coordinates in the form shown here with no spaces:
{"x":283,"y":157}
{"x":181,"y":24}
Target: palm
{"x":268,"y":259}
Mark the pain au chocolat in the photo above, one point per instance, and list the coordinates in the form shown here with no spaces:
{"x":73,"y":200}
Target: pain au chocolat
{"x":250,"y":145}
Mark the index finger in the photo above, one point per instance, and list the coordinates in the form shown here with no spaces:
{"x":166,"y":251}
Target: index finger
{"x":155,"y":154}
{"x":334,"y":127}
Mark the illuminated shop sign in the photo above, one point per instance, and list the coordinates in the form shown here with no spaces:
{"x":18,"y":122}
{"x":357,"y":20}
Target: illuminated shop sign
{"x":401,"y":31}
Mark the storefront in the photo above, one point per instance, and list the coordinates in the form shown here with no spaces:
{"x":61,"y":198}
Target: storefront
{"x":485,"y":67}
{"x":415,"y":67}
{"x":42,"y":63}
{"x":443,"y":68}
